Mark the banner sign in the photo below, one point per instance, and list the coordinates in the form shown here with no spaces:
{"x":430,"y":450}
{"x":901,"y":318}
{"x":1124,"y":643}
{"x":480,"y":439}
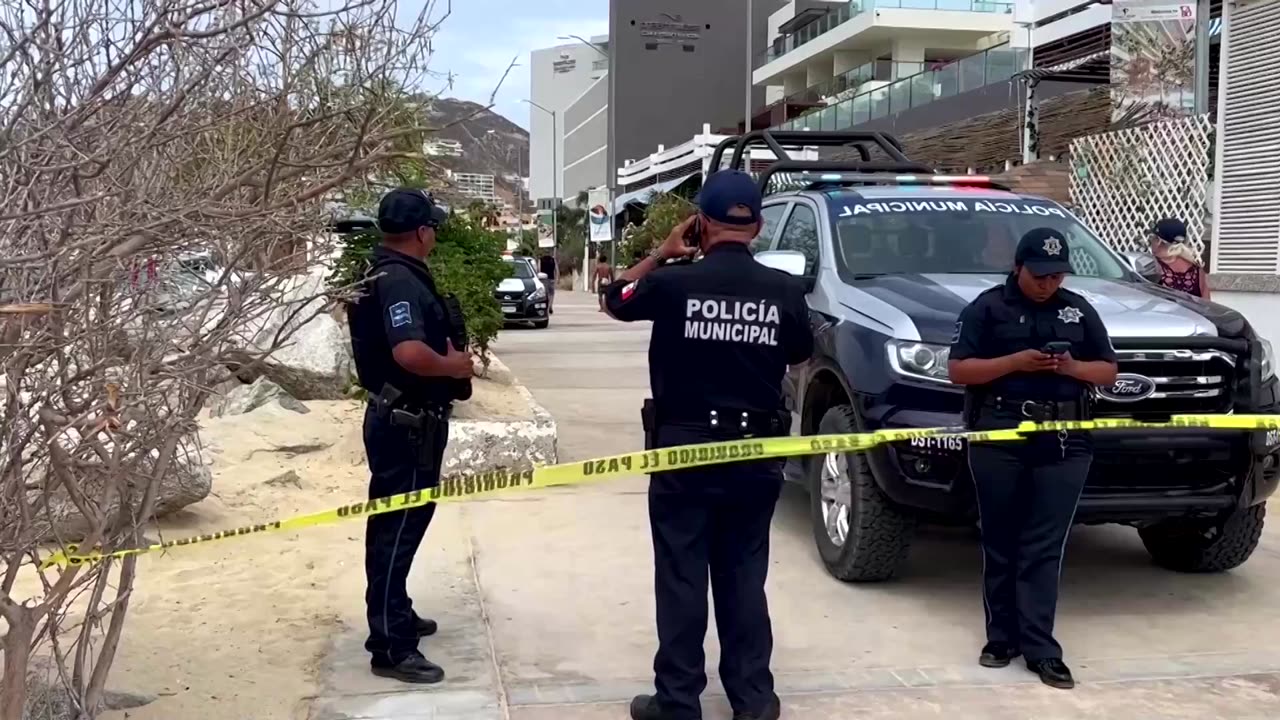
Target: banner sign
{"x":546,"y":229}
{"x":599,"y":219}
{"x":1153,"y":50}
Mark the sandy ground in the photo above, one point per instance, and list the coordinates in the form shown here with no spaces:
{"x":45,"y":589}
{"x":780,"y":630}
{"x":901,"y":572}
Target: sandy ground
{"x":235,"y":629}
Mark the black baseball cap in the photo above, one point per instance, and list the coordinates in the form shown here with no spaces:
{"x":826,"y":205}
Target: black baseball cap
{"x":1044,"y":251}
{"x":725,"y":190}
{"x":405,"y":210}
{"x":1170,"y":230}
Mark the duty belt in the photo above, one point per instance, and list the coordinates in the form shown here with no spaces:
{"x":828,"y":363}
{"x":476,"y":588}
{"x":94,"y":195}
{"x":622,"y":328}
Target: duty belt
{"x":723,"y":418}
{"x":391,"y":405}
{"x":1038,"y":410}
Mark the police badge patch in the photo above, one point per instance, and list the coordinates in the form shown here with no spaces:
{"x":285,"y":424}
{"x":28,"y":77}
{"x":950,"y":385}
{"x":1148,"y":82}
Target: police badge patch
{"x":1070,"y":315}
{"x":400,"y":314}
{"x":1052,"y":246}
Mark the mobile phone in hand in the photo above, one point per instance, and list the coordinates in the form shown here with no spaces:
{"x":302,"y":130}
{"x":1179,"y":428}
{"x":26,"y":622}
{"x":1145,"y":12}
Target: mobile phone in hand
{"x":1057,"y":347}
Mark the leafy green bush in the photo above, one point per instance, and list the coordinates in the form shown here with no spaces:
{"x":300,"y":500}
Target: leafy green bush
{"x":665,"y":211}
{"x":467,"y":262}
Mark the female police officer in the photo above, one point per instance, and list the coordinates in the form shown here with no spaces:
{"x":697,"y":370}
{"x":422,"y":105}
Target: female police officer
{"x":1029,"y":350}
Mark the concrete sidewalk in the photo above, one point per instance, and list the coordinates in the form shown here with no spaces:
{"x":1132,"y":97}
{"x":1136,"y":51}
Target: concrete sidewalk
{"x":545,"y":602}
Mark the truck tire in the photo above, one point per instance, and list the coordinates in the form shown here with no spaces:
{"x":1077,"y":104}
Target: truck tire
{"x":1205,"y":546}
{"x":876,"y":535}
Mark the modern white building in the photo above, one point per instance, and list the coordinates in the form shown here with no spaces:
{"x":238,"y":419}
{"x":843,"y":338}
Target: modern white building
{"x":442,"y":147}
{"x":475,"y":185}
{"x":876,"y":41}
{"x":559,"y":77}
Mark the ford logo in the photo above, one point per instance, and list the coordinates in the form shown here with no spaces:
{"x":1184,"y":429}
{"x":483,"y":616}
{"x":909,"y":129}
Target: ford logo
{"x":1128,"y":387}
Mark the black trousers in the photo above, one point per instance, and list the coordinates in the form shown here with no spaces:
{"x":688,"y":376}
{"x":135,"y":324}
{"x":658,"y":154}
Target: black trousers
{"x":392,"y":539}
{"x":1027,"y":496}
{"x":712,"y":525}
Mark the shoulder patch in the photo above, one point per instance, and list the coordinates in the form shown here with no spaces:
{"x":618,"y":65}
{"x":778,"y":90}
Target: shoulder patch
{"x":629,"y":290}
{"x":955,"y":335}
{"x":400,"y":314}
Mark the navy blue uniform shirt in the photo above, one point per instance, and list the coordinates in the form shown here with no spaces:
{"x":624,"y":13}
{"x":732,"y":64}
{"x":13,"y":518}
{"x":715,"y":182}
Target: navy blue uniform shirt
{"x":724,"y":330}
{"x":1002,"y":321}
{"x":400,"y":304}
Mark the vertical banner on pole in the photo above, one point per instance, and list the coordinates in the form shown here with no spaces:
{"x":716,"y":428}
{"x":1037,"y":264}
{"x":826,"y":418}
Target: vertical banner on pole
{"x":1153,"y":58}
{"x":546,"y":232}
{"x":598,"y":216}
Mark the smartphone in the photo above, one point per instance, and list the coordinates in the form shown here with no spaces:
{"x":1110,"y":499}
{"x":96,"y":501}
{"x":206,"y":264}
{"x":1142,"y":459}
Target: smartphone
{"x":693,"y":236}
{"x":1057,"y":347}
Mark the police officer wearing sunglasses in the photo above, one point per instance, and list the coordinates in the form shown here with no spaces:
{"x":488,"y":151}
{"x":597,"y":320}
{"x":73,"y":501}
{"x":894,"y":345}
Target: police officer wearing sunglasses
{"x":1028,"y":350}
{"x":410,"y":356}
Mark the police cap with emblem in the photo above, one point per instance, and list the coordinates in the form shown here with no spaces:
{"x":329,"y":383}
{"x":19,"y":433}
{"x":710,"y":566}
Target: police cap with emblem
{"x":1044,"y":251}
{"x":404,"y":210}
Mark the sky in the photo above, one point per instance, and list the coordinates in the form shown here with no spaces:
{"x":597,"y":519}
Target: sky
{"x":481,"y":38}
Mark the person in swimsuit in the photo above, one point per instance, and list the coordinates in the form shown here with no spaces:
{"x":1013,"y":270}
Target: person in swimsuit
{"x":601,"y":278}
{"x":1180,"y":266}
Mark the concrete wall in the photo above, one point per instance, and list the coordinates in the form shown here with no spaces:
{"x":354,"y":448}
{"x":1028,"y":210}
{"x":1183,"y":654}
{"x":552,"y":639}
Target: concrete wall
{"x":663,"y":95}
{"x":554,"y":91}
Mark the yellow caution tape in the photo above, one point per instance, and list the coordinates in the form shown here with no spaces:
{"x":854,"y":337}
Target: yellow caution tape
{"x":683,"y":457}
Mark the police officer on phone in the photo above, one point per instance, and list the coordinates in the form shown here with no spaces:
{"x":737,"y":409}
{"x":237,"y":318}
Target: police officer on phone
{"x":725,"y":329}
{"x":1029,"y":350}
{"x":411,"y":358}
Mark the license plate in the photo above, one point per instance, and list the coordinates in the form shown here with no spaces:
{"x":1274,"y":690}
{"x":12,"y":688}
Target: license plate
{"x":509,"y":309}
{"x":954,"y":444}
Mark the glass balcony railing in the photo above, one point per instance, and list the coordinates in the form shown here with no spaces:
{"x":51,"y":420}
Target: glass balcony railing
{"x":995,"y":65}
{"x":842,"y":14}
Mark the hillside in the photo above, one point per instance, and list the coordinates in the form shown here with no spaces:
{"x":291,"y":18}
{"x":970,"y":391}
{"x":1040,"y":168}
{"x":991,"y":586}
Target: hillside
{"x":503,"y":152}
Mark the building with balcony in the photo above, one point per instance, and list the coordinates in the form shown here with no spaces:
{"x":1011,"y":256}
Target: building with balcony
{"x":821,"y":49}
{"x":479,"y":186}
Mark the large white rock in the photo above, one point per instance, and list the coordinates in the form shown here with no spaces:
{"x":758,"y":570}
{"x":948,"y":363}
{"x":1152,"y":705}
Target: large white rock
{"x":239,"y":399}
{"x":187,"y":481}
{"x":315,"y":361}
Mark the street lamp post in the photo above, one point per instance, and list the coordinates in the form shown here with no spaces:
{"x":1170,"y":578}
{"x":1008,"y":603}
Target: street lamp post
{"x":555,"y":171}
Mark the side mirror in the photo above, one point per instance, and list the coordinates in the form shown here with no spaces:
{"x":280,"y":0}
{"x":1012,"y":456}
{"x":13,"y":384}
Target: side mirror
{"x":1143,"y":264}
{"x":542,"y":276}
{"x":791,"y":262}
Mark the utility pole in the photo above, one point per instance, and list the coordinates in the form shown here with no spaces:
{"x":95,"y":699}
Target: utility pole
{"x":555,"y":172}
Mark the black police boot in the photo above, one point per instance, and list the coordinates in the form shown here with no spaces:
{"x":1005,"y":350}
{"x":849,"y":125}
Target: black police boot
{"x":1053,"y":672}
{"x":425,"y":627}
{"x":413,"y":669}
{"x":997,"y":654}
{"x":772,"y":711}
{"x":646,"y":707}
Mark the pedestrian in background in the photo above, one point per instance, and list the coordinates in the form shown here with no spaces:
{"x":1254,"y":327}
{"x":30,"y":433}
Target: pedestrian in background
{"x":724,"y":331}
{"x":1180,"y":266}
{"x":1029,"y":350}
{"x":601,"y":277}
{"x":400,"y":338}
{"x":547,"y":266}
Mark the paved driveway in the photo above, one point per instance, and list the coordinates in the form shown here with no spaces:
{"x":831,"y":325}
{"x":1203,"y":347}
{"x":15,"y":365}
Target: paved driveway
{"x":547,"y":612}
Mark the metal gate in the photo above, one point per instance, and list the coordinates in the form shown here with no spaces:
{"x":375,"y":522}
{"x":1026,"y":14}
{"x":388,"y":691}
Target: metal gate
{"x":1123,"y":181}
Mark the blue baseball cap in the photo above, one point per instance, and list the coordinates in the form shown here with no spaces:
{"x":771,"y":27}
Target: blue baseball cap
{"x":726,"y":190}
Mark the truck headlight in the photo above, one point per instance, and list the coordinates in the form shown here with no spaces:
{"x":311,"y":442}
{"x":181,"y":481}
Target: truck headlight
{"x":1268,"y":359}
{"x":539,"y":293}
{"x":920,"y":360}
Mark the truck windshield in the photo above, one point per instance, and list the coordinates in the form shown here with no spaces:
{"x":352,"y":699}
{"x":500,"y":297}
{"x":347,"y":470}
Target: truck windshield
{"x":893,"y":235}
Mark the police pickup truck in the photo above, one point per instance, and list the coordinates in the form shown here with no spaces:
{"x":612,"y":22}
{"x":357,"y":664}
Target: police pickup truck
{"x":891,"y":253}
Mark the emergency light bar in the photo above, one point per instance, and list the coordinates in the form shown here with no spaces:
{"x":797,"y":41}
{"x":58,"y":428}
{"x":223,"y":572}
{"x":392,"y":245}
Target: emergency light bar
{"x":811,"y":175}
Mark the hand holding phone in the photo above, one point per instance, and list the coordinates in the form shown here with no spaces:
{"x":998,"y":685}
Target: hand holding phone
{"x":1057,"y":347}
